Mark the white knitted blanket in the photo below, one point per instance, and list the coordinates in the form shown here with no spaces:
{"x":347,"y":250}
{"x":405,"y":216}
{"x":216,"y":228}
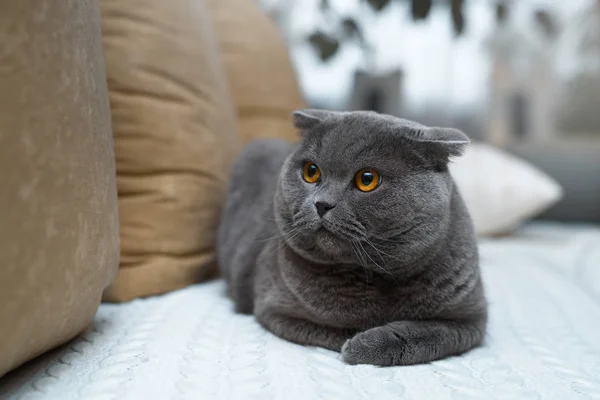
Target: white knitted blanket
{"x":544,"y":342}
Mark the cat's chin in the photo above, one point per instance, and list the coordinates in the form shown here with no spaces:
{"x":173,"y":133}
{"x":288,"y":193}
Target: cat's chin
{"x":325,"y":239}
{"x":331,"y":245}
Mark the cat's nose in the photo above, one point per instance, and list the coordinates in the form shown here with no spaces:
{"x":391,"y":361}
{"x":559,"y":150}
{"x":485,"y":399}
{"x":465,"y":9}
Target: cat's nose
{"x":323,"y":207}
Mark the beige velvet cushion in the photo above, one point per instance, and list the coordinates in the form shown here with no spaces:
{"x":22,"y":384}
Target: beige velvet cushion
{"x":261,"y":78}
{"x":175,"y":139}
{"x":58,"y":202}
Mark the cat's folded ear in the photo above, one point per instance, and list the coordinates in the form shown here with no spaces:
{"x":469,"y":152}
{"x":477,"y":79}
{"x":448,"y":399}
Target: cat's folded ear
{"x":453,"y":141}
{"x":441,"y":143}
{"x":309,"y":118}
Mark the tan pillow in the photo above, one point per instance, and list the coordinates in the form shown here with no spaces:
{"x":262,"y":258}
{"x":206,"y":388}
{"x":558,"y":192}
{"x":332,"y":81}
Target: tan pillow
{"x":261,"y":78}
{"x":59,"y":241}
{"x":175,"y":139}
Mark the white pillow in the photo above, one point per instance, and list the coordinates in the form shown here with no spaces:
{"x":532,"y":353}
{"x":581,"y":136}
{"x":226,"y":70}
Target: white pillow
{"x":500,"y":190}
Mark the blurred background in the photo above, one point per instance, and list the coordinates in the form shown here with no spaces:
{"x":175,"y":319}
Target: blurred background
{"x":502,"y":71}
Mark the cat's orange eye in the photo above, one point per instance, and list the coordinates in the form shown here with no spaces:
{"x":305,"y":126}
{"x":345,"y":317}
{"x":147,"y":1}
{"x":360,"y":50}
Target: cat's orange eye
{"x":367,"y":180}
{"x":311,"y":173}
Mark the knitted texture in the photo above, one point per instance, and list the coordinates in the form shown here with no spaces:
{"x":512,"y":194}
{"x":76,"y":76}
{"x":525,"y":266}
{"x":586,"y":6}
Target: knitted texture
{"x":543,"y":284}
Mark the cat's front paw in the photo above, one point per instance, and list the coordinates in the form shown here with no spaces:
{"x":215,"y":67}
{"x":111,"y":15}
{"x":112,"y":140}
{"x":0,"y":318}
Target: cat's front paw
{"x":377,"y":346}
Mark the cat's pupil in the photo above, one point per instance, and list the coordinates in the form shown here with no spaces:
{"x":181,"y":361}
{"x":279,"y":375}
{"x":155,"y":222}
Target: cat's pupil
{"x":312,"y":170}
{"x":367,"y":178}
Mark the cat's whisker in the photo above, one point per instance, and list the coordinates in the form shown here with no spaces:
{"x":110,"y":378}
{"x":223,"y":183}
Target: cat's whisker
{"x":357,"y":254}
{"x":374,"y":262}
{"x":292,"y":235}
{"x":361,"y":262}
{"x":396,"y":279}
{"x":282,"y":243}
{"x":346,"y":231}
{"x":264,"y":236}
{"x":382,"y":259}
{"x":428,"y":287}
{"x":380,"y":252}
{"x":278,"y":235}
{"x":395,"y":237}
{"x":261,"y":238}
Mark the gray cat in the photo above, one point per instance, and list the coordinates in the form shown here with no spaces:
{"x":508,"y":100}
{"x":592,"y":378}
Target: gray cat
{"x":356,"y":240}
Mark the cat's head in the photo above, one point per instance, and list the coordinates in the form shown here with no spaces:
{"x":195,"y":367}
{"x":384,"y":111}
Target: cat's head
{"x":362,"y":185}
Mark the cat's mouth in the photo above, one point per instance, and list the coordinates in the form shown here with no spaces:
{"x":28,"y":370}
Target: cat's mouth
{"x":341,"y":232}
{"x":323,"y":244}
{"x":322,"y":231}
{"x":328,"y":236}
{"x":324,"y":235}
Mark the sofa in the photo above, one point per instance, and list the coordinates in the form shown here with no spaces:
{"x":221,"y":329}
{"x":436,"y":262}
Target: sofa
{"x":119,"y":122}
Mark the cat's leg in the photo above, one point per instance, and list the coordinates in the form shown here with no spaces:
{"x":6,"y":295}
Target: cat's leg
{"x":305,"y":332}
{"x":413,"y":342}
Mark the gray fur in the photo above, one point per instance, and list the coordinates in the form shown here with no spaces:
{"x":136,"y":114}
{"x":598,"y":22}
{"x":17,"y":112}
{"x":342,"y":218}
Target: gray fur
{"x":388,"y":277}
